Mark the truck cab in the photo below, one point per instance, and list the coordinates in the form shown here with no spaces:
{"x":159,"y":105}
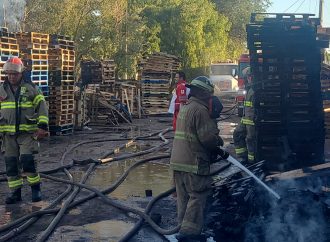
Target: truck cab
{"x":223,"y":77}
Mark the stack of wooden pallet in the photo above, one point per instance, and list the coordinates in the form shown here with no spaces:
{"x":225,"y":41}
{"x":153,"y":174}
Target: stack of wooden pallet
{"x":108,"y":72}
{"x":98,"y":73}
{"x":91,"y":72}
{"x":325,"y":85}
{"x":155,"y":74}
{"x":8,"y":48}
{"x":285,"y":60}
{"x":61,"y":84}
{"x":34,"y":53}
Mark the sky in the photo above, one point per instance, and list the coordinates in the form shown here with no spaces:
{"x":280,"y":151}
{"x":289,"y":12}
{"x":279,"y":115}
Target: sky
{"x":301,"y":6}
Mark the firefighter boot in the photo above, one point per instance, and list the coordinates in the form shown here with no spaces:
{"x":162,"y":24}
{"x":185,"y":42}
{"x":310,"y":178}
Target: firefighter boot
{"x":14,"y":197}
{"x":36,"y":193}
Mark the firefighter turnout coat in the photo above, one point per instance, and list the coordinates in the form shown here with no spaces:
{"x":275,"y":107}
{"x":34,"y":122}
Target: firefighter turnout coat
{"x":244,"y":134}
{"x":196,"y":138}
{"x":25,"y":111}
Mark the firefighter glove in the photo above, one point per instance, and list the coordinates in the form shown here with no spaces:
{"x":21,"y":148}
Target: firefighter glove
{"x":224,"y":154}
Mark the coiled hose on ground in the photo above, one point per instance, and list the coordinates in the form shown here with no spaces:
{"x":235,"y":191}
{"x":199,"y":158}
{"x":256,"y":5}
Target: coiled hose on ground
{"x":34,"y":216}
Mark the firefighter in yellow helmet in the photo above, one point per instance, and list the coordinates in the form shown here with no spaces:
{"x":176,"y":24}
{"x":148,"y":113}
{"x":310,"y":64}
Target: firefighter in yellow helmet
{"x":196,"y":140}
{"x":23,"y":121}
{"x":244,"y":134}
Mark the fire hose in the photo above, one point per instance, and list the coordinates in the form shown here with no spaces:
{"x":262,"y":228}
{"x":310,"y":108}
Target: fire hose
{"x":39,"y":213}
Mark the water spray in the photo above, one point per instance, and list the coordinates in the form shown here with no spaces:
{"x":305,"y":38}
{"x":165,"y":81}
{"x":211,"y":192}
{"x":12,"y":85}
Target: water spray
{"x":235,"y":162}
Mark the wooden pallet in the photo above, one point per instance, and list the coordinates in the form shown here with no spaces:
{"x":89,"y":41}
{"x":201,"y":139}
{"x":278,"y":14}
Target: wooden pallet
{"x":6,"y":52}
{"x":60,"y":112}
{"x":64,"y":88}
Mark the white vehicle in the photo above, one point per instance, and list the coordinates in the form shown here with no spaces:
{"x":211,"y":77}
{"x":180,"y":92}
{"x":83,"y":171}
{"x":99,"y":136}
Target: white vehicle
{"x":223,"y":77}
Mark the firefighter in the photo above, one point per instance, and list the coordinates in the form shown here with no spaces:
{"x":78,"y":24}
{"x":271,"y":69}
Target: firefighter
{"x":23,"y":121}
{"x":196,"y":140}
{"x":244,"y":134}
{"x":182,"y":93}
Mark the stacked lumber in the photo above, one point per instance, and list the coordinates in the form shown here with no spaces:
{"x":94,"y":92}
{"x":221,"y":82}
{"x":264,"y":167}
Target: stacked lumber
{"x":61,"y":85}
{"x":155,"y":75}
{"x":285,"y":59}
{"x":8,"y":48}
{"x":34,"y":54}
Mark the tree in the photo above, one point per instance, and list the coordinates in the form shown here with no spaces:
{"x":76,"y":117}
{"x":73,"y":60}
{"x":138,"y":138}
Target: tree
{"x":12,"y":14}
{"x":198,"y":31}
{"x":190,"y":29}
{"x":100,"y":28}
{"x":238,"y":12}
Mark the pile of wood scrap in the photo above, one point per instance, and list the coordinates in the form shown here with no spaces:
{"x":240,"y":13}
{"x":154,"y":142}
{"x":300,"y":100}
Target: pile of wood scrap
{"x":105,"y":107}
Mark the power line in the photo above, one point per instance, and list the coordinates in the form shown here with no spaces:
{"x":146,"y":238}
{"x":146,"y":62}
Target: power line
{"x":300,"y":6}
{"x":291,"y":5}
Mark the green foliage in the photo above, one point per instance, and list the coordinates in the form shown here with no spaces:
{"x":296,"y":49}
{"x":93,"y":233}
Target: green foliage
{"x":191,"y":29}
{"x":327,"y":57}
{"x":198,"y":31}
{"x":238,"y":13}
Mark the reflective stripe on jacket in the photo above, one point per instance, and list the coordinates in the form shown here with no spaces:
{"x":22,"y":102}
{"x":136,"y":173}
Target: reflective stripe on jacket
{"x":196,"y":137}
{"x":30,"y":109}
{"x":248,"y":117}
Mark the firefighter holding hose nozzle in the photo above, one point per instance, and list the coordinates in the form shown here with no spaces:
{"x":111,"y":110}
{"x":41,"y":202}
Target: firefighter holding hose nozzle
{"x":195,"y":142}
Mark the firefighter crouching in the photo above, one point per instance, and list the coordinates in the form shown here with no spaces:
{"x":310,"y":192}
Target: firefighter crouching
{"x":195,"y":142}
{"x":23,"y":121}
{"x":244,"y":134}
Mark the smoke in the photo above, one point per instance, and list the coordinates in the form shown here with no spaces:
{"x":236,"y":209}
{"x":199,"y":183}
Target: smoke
{"x":298,"y":217}
{"x":12,"y":14}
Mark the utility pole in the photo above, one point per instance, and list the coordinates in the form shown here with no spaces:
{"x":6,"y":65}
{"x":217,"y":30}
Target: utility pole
{"x":321,"y":5}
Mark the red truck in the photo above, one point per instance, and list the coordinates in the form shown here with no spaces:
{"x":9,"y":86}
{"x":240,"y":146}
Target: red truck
{"x":243,"y":62}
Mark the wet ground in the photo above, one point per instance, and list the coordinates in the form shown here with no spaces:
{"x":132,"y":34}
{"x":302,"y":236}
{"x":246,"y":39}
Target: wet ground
{"x":94,"y":220}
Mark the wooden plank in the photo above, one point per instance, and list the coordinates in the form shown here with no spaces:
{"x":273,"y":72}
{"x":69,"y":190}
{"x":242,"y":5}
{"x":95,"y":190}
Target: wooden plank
{"x":323,"y":169}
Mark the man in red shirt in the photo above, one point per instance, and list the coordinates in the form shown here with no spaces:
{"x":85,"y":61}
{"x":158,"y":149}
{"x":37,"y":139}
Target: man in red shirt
{"x":182,"y":93}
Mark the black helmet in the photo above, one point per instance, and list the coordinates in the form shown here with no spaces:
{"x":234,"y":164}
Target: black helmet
{"x":202,"y":82}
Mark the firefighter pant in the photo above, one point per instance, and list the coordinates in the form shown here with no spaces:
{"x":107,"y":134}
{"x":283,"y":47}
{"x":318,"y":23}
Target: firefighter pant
{"x":18,"y":151}
{"x":192,"y":192}
{"x":245,"y":142}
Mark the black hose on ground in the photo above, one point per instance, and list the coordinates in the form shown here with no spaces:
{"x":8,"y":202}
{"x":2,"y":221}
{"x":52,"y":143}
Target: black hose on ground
{"x":147,"y":211}
{"x":229,"y":115}
{"x":45,"y":234}
{"x":39,"y":213}
{"x":150,"y":135}
{"x":86,"y":198}
{"x":118,"y":205}
{"x":31,"y":219}
{"x":68,"y":166}
{"x":227,"y":111}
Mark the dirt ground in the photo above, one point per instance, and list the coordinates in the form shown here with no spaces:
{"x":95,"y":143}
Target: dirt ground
{"x":94,"y":220}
